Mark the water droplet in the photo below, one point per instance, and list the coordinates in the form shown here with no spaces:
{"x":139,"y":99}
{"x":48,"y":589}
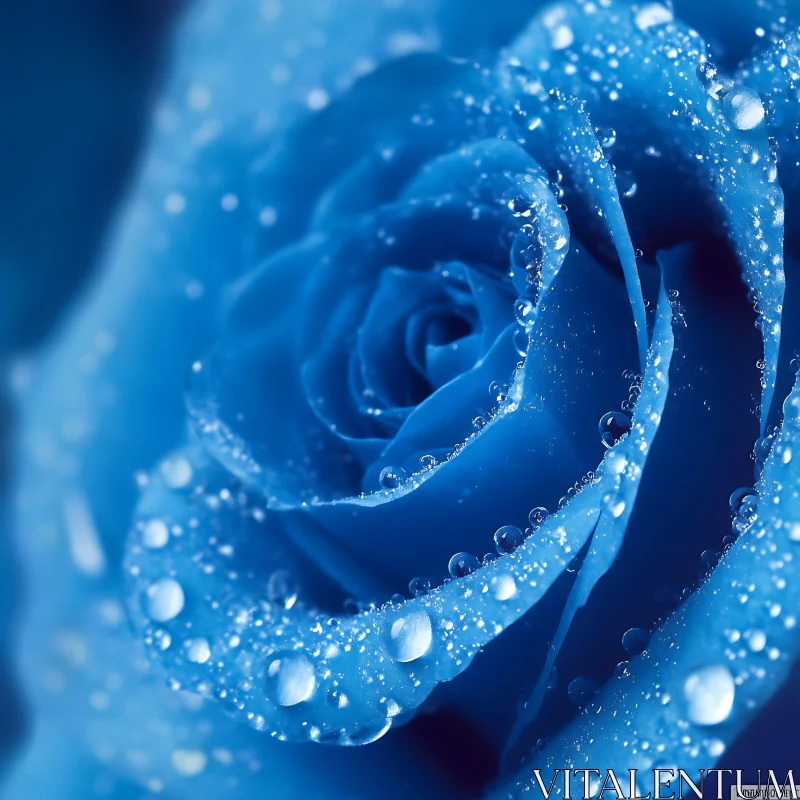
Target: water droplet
{"x":520,"y":206}
{"x":392,"y":478}
{"x":706,"y":72}
{"x":502,"y":587}
{"x":397,"y":599}
{"x":155,"y":534}
{"x":613,"y":426}
{"x":462,"y":564}
{"x":165,"y":600}
{"x":428,"y":462}
{"x":794,"y":531}
{"x":337,"y":698}
{"x":626,"y":183}
{"x":198,"y":650}
{"x":418,"y":586}
{"x":581,"y":690}
{"x":176,"y":471}
{"x":720,"y":88}
{"x":756,"y":640}
{"x":524,"y":310}
{"x":410,"y":636}
{"x":651,"y":14}
{"x":508,"y":538}
{"x":716,"y":747}
{"x":498,"y":390}
{"x":537,"y":516}
{"x":709,"y":559}
{"x":366,"y":734}
{"x":744,"y":507}
{"x":188,"y":762}
{"x":290,"y":678}
{"x":607,"y":137}
{"x":738,"y":496}
{"x":282,"y":589}
{"x":479,"y":423}
{"x":635,"y":641}
{"x":709,"y":693}
{"x":743,"y":108}
{"x":521,"y":342}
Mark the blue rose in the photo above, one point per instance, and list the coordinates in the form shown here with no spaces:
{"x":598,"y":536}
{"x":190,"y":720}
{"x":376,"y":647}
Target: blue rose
{"x":476,"y":359}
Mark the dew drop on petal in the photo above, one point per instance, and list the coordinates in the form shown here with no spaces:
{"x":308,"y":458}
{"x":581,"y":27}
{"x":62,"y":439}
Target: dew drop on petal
{"x":155,"y":534}
{"x":537,"y":516}
{"x":392,"y":477}
{"x":198,"y":651}
{"x":706,"y":72}
{"x":176,"y":471}
{"x":715,"y":748}
{"x":743,"y":108}
{"x":366,"y":734}
{"x":410,"y":636}
{"x":521,"y":342}
{"x":165,"y":600}
{"x":508,"y":538}
{"x":737,"y":498}
{"x":756,"y":640}
{"x":613,"y":426}
{"x":418,"y":586}
{"x":502,"y":587}
{"x":524,"y":309}
{"x":709,"y":693}
{"x":462,"y":564}
{"x":651,"y":14}
{"x":581,"y":690}
{"x":188,"y":762}
{"x":290,"y":678}
{"x":282,"y":589}
{"x":635,"y":641}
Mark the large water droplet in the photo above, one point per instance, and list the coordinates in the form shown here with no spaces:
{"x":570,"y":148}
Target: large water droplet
{"x":709,"y":693}
{"x":613,"y":426}
{"x":392,"y":477}
{"x":290,"y":678}
{"x":508,"y":538}
{"x":410,"y":636}
{"x":462,"y":564}
{"x":651,"y":14}
{"x":165,"y":600}
{"x":743,"y":108}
